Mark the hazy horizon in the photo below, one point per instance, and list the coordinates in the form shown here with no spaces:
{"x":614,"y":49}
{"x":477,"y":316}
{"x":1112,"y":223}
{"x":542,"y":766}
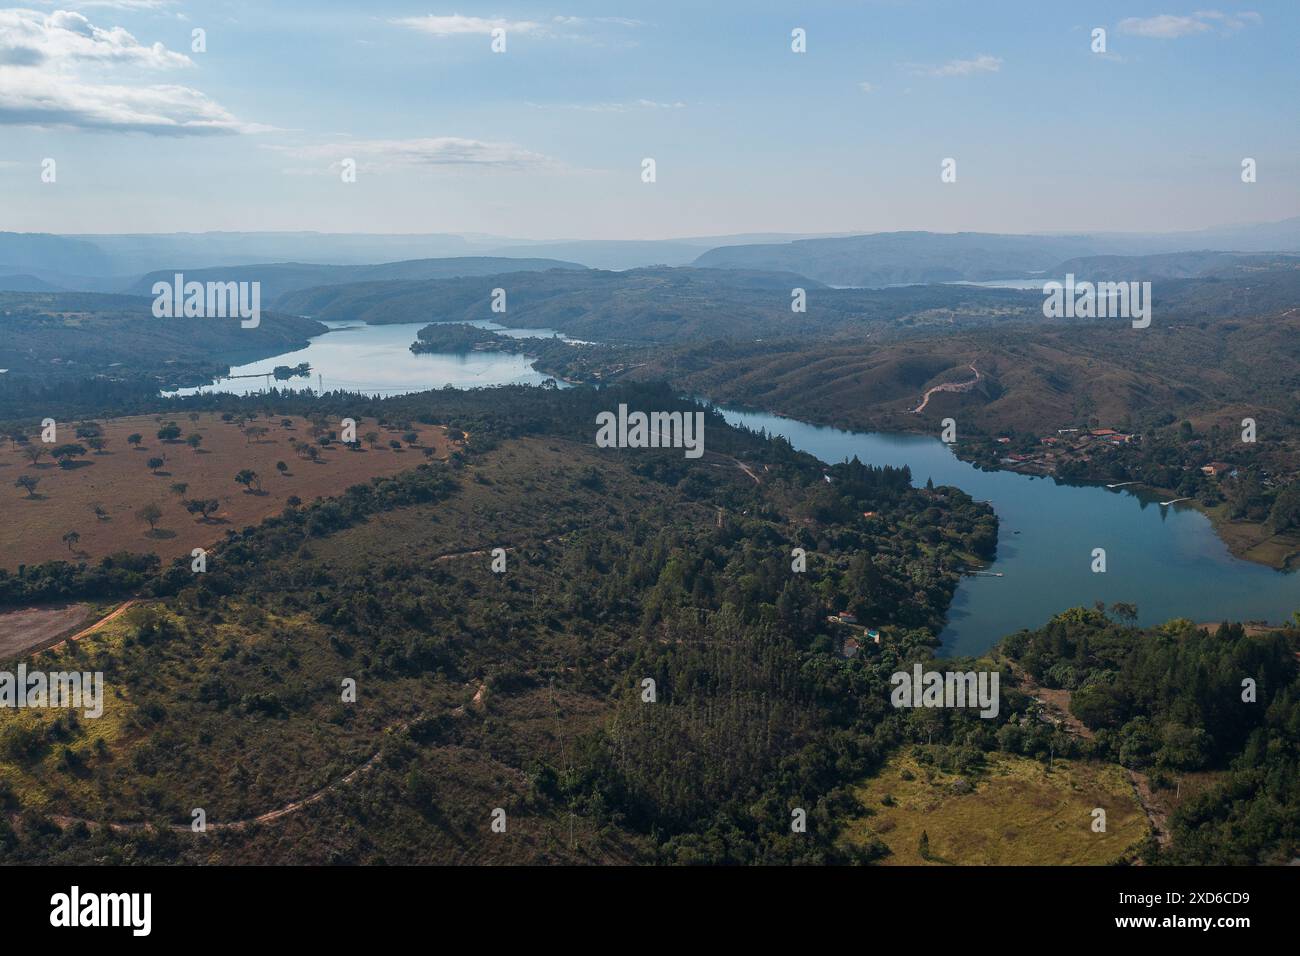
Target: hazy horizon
{"x":699,"y":238}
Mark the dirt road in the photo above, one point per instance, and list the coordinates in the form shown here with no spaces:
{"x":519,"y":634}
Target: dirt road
{"x":948,"y":387}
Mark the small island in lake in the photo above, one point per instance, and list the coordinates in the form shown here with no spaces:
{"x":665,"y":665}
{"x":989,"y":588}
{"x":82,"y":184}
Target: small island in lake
{"x":283,"y":372}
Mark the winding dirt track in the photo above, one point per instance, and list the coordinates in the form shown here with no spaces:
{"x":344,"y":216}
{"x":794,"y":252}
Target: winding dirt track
{"x":85,"y":632}
{"x":948,"y":387}
{"x":269,"y":817}
{"x":278,"y":813}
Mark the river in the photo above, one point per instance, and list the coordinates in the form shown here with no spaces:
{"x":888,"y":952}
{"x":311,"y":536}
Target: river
{"x":1166,"y":560}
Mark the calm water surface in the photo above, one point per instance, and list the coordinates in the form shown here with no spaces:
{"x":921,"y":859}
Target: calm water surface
{"x":377,"y":360}
{"x":1166,"y":560}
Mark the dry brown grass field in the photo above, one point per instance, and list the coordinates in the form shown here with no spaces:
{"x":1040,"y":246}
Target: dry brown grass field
{"x":120,"y":482}
{"x":1014,"y":813}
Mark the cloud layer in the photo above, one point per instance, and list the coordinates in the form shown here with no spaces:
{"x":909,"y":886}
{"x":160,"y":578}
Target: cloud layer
{"x":979,"y":64}
{"x":1168,"y":26}
{"x":59,"y":69}
{"x":430,"y":152}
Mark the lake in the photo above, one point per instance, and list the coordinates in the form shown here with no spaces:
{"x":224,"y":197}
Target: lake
{"x":1166,"y":560}
{"x":377,"y":360}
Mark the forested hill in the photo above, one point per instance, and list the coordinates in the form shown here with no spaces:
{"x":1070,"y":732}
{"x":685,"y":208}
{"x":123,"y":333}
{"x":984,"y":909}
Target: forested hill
{"x":80,"y":335}
{"x":662,"y":305}
{"x":1171,"y":703}
{"x":1216,"y":347}
{"x":520,"y":689}
{"x":282,"y":278}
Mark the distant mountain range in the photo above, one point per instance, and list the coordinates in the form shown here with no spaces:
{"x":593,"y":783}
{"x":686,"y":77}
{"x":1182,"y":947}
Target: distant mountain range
{"x":282,"y":278}
{"x":896,"y":258}
{"x":113,"y":263}
{"x":116,"y":263}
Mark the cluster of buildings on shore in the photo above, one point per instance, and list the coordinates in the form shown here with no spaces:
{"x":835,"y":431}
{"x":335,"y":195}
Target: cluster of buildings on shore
{"x":1073,"y":443}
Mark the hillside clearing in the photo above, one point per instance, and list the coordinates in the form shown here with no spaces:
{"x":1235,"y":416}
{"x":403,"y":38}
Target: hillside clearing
{"x":1018,"y":814}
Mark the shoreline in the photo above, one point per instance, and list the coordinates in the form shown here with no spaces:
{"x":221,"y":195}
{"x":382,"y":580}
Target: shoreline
{"x":1237,"y":537}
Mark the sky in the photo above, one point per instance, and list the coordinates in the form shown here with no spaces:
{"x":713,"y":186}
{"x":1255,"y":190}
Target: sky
{"x":547,"y":139}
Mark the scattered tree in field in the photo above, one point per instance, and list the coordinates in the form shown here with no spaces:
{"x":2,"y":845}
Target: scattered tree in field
{"x":256,"y":433}
{"x":372,"y":439}
{"x":395,"y":445}
{"x":149,"y":513}
{"x":194,"y":418}
{"x":100,"y":513}
{"x":29,"y":483}
{"x":203,"y":507}
{"x":923,"y":846}
{"x":282,"y":468}
{"x":294,"y":501}
{"x":34,"y":453}
{"x":248,"y":478}
{"x":169,"y":432}
{"x":97,"y":444}
{"x":71,"y":538}
{"x":89,"y":430}
{"x":64,"y":454}
{"x":411,"y":438}
{"x":155,"y":464}
{"x":134,"y":439}
{"x":179,"y":488}
{"x":194,"y":441}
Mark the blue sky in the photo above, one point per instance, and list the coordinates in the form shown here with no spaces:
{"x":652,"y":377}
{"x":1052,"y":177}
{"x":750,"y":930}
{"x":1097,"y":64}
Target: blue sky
{"x":546,"y":140}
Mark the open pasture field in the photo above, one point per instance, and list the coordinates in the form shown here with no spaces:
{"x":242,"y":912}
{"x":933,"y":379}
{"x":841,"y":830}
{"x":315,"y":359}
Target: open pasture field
{"x":1014,"y":813}
{"x":120,"y":482}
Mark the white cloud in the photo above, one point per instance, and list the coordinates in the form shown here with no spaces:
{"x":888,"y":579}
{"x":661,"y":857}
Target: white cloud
{"x":66,"y":38}
{"x":431,"y":152}
{"x":866,"y":87}
{"x":58,"y":70}
{"x":980,"y":64}
{"x":134,"y":5}
{"x":457,"y":25}
{"x":161,"y":110}
{"x":1168,"y":26}
{"x":612,"y":107}
{"x":616,"y":21}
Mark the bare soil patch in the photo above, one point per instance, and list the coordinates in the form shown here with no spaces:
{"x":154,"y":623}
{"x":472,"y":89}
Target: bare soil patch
{"x":33,"y":626}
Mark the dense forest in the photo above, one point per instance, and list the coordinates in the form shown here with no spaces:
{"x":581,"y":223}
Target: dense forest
{"x":1176,"y":701}
{"x":630,"y":566}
